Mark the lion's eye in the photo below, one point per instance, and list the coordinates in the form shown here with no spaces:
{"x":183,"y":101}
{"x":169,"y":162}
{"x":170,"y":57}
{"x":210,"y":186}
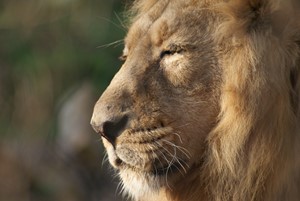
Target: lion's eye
{"x":172,"y":49}
{"x":166,"y":53}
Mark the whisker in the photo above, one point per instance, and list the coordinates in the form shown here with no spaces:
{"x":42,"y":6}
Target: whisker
{"x":168,"y":162}
{"x":117,"y":42}
{"x":162,"y":153}
{"x":120,"y":21}
{"x":183,"y":150}
{"x":113,"y":23}
{"x":104,"y":159}
{"x":178,"y":137}
{"x":184,"y":125}
{"x":115,"y":176}
{"x":119,"y":189}
{"x":174,"y":158}
{"x":154,"y":155}
{"x":180,"y":162}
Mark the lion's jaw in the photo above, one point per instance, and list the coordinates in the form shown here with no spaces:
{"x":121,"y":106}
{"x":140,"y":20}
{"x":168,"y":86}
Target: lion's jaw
{"x":148,"y":172}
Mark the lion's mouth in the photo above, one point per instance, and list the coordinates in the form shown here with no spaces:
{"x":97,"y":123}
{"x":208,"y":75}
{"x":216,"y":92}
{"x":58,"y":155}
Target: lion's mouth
{"x":153,"y":152}
{"x":170,"y":169}
{"x":156,"y":168}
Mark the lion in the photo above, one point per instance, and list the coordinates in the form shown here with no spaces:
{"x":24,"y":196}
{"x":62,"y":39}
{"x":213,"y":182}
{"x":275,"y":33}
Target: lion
{"x":206,"y":104}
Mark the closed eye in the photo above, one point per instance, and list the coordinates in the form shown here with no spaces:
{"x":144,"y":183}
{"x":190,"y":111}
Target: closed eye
{"x":171,"y":50}
{"x":166,"y":53}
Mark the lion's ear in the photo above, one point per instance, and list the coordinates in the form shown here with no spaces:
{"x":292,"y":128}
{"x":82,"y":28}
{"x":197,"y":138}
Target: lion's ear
{"x":246,"y":14}
{"x":249,"y":13}
{"x":249,"y":16}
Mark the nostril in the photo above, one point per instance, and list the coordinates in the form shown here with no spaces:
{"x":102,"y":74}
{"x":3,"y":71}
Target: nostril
{"x":113,"y":128}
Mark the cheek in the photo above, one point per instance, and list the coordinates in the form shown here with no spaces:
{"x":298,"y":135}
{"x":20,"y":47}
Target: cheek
{"x":194,"y":135}
{"x":195,"y":118}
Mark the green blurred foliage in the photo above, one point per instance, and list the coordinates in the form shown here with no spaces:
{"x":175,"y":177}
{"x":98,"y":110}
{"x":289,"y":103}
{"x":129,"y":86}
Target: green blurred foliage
{"x":48,"y":49}
{"x":48,"y":46}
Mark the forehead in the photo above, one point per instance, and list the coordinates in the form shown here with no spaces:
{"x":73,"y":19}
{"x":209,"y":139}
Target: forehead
{"x":164,"y":19}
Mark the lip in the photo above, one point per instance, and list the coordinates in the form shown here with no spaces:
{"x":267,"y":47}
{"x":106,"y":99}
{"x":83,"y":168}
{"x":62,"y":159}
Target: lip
{"x":168,"y":169}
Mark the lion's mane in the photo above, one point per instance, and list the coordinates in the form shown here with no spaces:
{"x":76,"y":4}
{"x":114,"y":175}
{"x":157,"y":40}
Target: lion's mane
{"x":253,"y":152}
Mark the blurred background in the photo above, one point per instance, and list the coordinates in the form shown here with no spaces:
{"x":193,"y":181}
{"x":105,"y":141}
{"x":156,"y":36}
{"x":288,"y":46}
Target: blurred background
{"x":56,"y":58}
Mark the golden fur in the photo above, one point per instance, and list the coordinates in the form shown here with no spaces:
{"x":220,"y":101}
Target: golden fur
{"x":206,"y":105}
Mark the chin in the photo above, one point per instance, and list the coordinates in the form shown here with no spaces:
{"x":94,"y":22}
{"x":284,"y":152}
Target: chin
{"x":145,"y":183}
{"x":140,"y":184}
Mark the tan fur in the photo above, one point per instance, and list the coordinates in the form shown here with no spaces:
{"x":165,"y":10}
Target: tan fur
{"x":213,"y":88}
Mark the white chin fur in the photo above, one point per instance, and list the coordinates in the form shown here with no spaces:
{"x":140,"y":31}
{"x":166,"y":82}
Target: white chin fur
{"x":139,"y":185}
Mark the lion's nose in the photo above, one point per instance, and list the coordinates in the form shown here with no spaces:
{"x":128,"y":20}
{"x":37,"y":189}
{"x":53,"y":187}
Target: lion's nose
{"x":111,"y":128}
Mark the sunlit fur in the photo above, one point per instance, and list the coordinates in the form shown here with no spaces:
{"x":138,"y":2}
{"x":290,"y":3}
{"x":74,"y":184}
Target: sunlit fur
{"x":225,"y":106}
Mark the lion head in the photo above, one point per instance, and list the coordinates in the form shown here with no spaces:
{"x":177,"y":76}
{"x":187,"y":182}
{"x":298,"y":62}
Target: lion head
{"x":205,"y":106}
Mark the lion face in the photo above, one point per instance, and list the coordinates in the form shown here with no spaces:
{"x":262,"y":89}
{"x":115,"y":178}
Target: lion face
{"x":161,"y":105}
{"x":206,"y":104}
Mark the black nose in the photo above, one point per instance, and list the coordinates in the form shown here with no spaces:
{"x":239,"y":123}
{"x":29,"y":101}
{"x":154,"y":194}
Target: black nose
{"x":111,"y":129}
